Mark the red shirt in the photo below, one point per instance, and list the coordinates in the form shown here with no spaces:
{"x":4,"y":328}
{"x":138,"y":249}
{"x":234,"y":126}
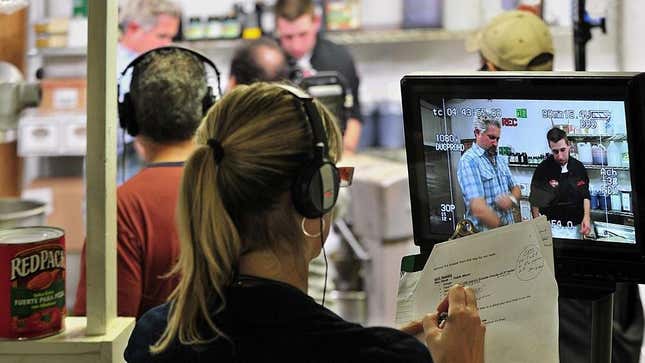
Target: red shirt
{"x":147,"y":242}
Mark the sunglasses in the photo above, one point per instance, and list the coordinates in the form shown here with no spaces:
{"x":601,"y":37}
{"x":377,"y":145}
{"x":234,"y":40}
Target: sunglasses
{"x":346,"y":174}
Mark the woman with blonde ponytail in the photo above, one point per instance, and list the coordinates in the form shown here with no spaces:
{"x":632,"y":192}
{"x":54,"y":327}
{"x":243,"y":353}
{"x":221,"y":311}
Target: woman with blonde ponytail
{"x":246,"y":245}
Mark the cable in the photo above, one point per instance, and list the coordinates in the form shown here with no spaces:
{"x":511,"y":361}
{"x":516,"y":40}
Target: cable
{"x":322,"y":245}
{"x":123,"y":151}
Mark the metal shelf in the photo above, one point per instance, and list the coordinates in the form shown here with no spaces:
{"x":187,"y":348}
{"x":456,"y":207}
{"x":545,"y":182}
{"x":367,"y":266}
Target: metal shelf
{"x":613,"y":212}
{"x":60,"y":52}
{"x":370,"y":36}
{"x":389,"y":36}
{"x":616,"y":137}
{"x":355,"y":37}
{"x":208,"y":44}
{"x":587,"y":166}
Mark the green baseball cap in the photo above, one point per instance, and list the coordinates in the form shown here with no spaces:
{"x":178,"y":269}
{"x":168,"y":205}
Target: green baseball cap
{"x":512,"y":40}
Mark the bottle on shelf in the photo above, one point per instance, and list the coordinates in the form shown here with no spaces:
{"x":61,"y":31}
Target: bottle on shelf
{"x":248,"y":12}
{"x":616,"y":202}
{"x":195,"y":28}
{"x":614,"y":157}
{"x":214,"y":27}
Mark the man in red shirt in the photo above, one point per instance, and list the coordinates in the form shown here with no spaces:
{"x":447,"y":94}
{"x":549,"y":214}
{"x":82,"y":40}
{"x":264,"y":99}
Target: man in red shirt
{"x":168,"y":96}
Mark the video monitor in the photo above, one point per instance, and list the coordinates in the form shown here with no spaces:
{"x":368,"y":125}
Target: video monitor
{"x":498,"y":148}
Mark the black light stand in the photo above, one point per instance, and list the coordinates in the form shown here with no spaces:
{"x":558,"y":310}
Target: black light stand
{"x":582,"y":25}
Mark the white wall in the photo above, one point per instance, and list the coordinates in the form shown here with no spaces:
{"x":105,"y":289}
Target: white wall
{"x":633,"y":24}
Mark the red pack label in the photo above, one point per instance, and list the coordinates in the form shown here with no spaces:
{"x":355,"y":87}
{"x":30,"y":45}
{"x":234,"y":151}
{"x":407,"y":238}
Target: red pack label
{"x":34,"y":303}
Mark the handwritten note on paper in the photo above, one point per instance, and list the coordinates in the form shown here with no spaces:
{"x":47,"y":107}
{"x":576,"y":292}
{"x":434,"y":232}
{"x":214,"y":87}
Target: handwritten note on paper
{"x":511,"y":271}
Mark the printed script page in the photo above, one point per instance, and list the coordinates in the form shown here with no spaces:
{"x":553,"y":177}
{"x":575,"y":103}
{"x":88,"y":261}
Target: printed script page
{"x":511,"y":270}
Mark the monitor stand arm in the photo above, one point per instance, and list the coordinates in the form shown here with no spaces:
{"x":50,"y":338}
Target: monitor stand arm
{"x":602,"y":313}
{"x":601,"y":295}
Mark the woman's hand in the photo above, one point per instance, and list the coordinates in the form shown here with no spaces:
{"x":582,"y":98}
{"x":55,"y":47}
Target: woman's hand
{"x":460,"y":338}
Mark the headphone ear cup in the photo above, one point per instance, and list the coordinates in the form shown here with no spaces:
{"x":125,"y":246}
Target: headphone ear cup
{"x":127,"y":118}
{"x":315,"y":190}
{"x":208,"y":101}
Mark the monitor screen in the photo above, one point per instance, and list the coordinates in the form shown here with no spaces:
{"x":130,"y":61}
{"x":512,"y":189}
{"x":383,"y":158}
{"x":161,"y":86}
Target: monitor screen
{"x":504,"y":148}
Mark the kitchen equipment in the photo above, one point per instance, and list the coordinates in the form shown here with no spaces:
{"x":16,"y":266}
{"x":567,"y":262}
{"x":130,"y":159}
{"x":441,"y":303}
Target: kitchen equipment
{"x":599,"y":154}
{"x":624,"y":154}
{"x":614,"y":156}
{"x":21,"y":213}
{"x":15,"y":95}
{"x":594,"y":199}
{"x":604,"y":201}
{"x":616,"y":202}
{"x":614,"y":232}
{"x":584,"y":152}
{"x":626,"y":198}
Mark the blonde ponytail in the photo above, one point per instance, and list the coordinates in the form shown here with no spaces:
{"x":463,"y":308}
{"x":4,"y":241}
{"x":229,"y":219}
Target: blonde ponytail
{"x":210,"y":250}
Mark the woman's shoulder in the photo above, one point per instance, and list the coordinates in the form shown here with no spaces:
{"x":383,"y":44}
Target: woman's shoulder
{"x":392,"y":345}
{"x":146,"y":332}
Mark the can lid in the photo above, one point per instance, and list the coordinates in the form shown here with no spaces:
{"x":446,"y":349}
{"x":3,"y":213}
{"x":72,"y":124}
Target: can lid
{"x":29,"y":234}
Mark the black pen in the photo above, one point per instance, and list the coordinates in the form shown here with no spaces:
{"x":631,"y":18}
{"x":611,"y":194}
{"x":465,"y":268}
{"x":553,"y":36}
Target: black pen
{"x":443,"y":316}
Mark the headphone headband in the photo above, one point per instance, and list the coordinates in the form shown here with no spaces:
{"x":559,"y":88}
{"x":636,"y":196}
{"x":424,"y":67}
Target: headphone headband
{"x":199,"y":56}
{"x":319,"y":137}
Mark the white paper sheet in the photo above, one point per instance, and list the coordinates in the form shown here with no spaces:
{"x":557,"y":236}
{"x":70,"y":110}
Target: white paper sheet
{"x":511,"y":270}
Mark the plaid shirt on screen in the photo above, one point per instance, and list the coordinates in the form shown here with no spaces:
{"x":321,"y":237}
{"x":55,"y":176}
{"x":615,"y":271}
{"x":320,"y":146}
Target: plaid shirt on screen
{"x":479,"y":178}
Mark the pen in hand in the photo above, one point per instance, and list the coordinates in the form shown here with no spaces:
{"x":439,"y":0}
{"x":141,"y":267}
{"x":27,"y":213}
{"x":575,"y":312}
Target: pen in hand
{"x":443,"y":316}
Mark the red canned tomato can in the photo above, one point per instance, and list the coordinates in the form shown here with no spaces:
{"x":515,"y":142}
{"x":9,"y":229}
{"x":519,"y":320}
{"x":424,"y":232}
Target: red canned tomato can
{"x":32,"y":282}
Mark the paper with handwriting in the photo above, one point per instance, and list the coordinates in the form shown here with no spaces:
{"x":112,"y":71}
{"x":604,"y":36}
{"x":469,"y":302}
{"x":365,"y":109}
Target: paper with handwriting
{"x":512,"y":272}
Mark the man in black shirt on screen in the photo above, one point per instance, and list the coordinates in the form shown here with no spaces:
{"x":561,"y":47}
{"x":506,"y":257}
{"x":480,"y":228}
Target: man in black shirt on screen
{"x":560,"y":187}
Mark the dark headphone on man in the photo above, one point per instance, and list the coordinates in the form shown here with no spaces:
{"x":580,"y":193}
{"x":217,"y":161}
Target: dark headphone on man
{"x":315,"y":188}
{"x":127,"y":119}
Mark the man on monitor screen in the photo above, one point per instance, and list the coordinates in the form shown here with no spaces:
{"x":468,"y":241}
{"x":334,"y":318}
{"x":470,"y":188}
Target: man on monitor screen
{"x":560,"y":188}
{"x":489,"y":189}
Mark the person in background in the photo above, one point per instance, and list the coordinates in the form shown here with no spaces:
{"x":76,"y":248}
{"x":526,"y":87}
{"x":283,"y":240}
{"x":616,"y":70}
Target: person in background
{"x":514,"y":41}
{"x":258,"y":60}
{"x":490,"y":191}
{"x":560,"y":188}
{"x":167,"y":91}
{"x":144,"y":25}
{"x":521,"y":41}
{"x":297,"y":28}
{"x":246,"y":245}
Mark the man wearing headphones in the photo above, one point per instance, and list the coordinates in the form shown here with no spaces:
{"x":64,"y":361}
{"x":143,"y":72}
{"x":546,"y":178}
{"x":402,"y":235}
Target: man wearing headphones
{"x":168,"y":96}
{"x":144,"y":25}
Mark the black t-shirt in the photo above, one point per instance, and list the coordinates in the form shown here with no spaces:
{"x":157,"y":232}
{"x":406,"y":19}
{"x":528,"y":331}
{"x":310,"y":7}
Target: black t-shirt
{"x":269,"y":321}
{"x":560,"y":195}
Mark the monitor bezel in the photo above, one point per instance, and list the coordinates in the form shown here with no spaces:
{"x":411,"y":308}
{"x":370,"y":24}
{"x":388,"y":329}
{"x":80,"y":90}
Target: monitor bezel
{"x":590,"y":258}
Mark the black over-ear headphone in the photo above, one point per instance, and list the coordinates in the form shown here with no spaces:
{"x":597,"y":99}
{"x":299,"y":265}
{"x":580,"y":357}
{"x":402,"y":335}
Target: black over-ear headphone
{"x":126,"y":110}
{"x":315,"y":188}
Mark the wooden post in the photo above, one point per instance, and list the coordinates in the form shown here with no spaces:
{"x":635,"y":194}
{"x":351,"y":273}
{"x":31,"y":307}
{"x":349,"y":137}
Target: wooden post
{"x":13,"y":43}
{"x":13,"y":38}
{"x":101,"y":166}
